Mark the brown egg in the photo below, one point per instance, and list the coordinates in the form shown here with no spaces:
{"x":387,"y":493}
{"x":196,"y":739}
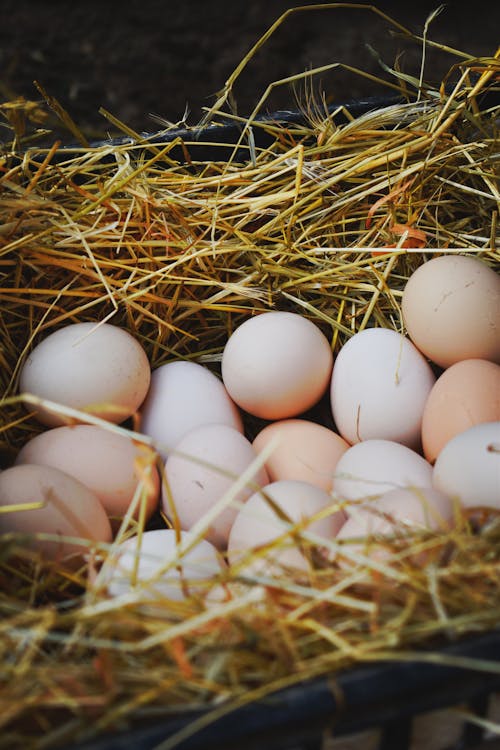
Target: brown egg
{"x":68,"y":509}
{"x":304,"y":451}
{"x":109,"y":464}
{"x":466,"y":394}
{"x":451,"y":309}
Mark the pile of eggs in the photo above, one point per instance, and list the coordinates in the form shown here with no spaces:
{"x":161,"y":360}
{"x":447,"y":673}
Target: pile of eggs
{"x":416,"y":430}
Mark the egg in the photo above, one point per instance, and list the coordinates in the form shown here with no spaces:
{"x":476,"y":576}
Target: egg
{"x":413,"y":507}
{"x":373,"y":467}
{"x":68,"y":509}
{"x":184,"y":395}
{"x":100,"y":368}
{"x":204,"y":467}
{"x":397,"y":511}
{"x":154,"y":566}
{"x":467,"y":393}
{"x":451,"y":309}
{"x":276,"y":365}
{"x":303,"y":450}
{"x":258,"y":524}
{"x":379,"y":386}
{"x":468,"y":467}
{"x":111,"y":465}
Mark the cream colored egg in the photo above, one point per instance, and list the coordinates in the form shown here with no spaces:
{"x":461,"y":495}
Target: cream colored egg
{"x":373,"y":467}
{"x":397,"y":512}
{"x":99,"y":368}
{"x":468,"y":467}
{"x":379,"y":387}
{"x":413,"y":507}
{"x":202,"y":472}
{"x":258,"y":523}
{"x":184,"y":395}
{"x":303,"y":450}
{"x":67,"y":508}
{"x":451,"y":309}
{"x":277,"y":365}
{"x":161,"y":564}
{"x":111,"y":465}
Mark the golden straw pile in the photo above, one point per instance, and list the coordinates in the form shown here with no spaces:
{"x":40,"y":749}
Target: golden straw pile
{"x":179,"y":254}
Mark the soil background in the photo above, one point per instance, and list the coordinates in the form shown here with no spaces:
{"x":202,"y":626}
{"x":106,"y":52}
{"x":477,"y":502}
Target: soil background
{"x":153,"y":61}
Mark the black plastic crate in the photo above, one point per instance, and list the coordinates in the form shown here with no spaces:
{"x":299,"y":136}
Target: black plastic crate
{"x":387,"y":696}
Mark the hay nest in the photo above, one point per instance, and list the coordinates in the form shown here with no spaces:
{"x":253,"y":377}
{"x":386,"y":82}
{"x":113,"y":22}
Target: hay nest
{"x":328,"y":218}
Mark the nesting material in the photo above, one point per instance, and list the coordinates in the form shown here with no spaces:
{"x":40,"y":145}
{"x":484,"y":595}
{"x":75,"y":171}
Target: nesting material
{"x":329,"y":220}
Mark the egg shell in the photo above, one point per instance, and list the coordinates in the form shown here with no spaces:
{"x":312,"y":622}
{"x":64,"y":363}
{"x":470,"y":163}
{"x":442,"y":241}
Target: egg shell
{"x":451,"y":309}
{"x":257,"y":524}
{"x":379,"y":386}
{"x":107,"y":463}
{"x":394,"y":512}
{"x":100,"y":368}
{"x":277,"y":365}
{"x":466,"y":394}
{"x":422,"y":507}
{"x":69,"y":509}
{"x":373,"y":467}
{"x":204,"y":467}
{"x":184,"y":395}
{"x":154,"y":566}
{"x":304,"y":450}
{"x":468,"y":467}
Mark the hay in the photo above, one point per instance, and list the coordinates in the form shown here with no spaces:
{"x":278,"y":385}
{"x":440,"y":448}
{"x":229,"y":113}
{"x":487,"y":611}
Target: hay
{"x":329,"y":220}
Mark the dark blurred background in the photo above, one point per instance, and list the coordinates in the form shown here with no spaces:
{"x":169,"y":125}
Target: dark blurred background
{"x":145,"y":58}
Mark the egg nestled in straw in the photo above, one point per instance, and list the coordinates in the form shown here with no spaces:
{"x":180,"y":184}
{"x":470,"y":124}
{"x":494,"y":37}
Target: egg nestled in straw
{"x":203,"y":479}
{"x":451,"y":309}
{"x":282,"y":509}
{"x":379,"y":387}
{"x":113,"y":466}
{"x":41,"y":500}
{"x":184,"y":395}
{"x":160,"y":564}
{"x":277,"y":365}
{"x":99,"y":368}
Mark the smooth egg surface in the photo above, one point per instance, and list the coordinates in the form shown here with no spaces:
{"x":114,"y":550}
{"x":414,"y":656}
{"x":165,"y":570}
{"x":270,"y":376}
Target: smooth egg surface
{"x":451,"y":309}
{"x":373,"y":467}
{"x":111,"y":465}
{"x":468,"y":467}
{"x":154,"y":565}
{"x":466,"y":394}
{"x":258,"y":523}
{"x":203,"y":469}
{"x":277,"y":365}
{"x":100,"y":368}
{"x":304,"y":450}
{"x":394,"y":513}
{"x":67,"y":509}
{"x":184,"y":395}
{"x":379,"y":387}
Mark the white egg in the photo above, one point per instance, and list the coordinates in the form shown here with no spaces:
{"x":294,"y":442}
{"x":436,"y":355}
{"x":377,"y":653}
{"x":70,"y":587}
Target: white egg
{"x":258,"y":523}
{"x":277,"y":364}
{"x":203,"y":469}
{"x":150,"y":566}
{"x":184,"y":395}
{"x":395,"y":513}
{"x":100,"y":368}
{"x":379,"y":386}
{"x":468,"y":467}
{"x":373,"y":467}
